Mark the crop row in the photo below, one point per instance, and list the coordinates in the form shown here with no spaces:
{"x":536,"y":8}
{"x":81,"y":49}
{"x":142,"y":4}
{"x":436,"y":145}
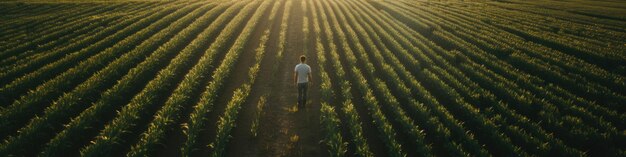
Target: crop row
{"x":495,"y":139}
{"x":63,"y":37}
{"x":352,"y":122}
{"x":56,"y":32}
{"x":197,"y":119}
{"x":535,"y":89}
{"x":20,"y":79}
{"x":84,"y":127}
{"x":228,"y":120}
{"x":20,"y":29}
{"x":403,"y":123}
{"x":142,"y":106}
{"x":590,"y":119}
{"x":170,"y":114}
{"x":586,"y":83}
{"x":329,"y":119}
{"x":29,"y":105}
{"x":282,"y":29}
{"x":429,"y":100}
{"x":397,"y":83}
{"x":584,"y":72}
{"x":65,"y":107}
{"x":446,"y":64}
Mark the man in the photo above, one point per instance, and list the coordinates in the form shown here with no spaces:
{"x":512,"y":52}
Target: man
{"x":301,"y":79}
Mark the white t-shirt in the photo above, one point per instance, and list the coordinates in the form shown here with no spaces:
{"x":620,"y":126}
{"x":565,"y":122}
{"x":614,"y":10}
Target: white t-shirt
{"x":303,"y":70}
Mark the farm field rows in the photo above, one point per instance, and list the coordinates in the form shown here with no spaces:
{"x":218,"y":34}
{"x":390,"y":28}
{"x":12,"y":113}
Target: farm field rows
{"x":390,"y":78}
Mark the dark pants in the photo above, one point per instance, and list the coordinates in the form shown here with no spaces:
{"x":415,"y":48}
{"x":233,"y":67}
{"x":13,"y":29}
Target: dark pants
{"x":302,"y":93}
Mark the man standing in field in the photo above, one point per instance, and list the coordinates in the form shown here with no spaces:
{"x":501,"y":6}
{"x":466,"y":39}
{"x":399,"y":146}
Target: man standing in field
{"x":301,"y":79}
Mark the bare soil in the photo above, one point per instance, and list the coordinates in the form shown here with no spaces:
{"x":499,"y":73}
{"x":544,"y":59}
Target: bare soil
{"x":285,"y":129}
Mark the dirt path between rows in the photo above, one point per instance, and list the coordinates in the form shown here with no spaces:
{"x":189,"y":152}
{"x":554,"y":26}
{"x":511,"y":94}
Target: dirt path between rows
{"x":284,"y":130}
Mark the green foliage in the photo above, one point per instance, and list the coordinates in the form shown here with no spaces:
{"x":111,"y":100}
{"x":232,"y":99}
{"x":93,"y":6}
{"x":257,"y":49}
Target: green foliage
{"x":430,"y":78}
{"x":330,"y":123}
{"x":197,"y":120}
{"x":65,"y":108}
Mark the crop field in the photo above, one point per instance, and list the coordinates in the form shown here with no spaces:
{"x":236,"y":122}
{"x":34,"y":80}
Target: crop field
{"x":389,"y":78}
